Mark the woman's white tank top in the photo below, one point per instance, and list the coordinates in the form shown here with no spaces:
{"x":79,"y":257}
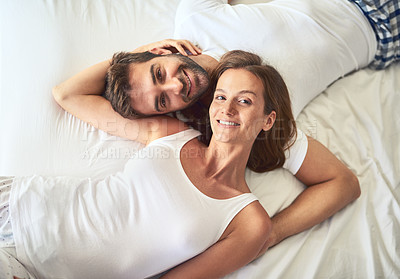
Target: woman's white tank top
{"x":134,"y":224}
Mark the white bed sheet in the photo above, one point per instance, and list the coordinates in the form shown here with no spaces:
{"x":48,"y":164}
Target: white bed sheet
{"x":357,"y":118}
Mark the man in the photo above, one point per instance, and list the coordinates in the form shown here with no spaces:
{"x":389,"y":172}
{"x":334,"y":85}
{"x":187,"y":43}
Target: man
{"x":311,"y":43}
{"x":148,"y":83}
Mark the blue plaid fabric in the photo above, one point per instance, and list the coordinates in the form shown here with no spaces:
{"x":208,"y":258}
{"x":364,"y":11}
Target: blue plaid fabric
{"x":384,"y":16}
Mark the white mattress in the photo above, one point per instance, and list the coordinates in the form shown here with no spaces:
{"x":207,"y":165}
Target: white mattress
{"x":357,"y":118}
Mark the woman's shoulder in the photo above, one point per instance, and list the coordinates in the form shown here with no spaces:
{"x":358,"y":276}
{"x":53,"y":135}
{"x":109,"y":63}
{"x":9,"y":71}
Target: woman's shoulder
{"x":252,"y":227}
{"x":253,"y":221}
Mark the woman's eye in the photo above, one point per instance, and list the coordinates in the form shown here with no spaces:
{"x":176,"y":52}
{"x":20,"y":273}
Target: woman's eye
{"x":219,"y":98}
{"x":244,"y":101}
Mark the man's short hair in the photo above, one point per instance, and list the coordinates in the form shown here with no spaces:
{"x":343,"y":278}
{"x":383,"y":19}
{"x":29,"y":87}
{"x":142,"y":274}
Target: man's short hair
{"x":117,"y":81}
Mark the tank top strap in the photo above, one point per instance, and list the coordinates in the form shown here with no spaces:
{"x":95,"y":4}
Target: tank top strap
{"x":244,"y":199}
{"x":231,"y":207}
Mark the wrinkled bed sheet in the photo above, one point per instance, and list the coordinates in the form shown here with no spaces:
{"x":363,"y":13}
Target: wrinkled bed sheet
{"x":357,"y":118}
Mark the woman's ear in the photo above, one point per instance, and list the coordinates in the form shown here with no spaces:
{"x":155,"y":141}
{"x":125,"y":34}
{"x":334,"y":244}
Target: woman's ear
{"x":269,"y":121}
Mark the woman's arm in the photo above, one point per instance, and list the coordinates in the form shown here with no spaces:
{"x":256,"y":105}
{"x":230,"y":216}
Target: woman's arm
{"x":246,"y":236}
{"x":169,"y":46}
{"x":330,"y":187}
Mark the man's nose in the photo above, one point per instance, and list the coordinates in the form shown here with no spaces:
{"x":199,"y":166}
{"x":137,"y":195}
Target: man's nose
{"x":173,"y":85}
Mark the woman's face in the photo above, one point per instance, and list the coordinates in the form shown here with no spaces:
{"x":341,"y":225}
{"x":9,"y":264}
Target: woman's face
{"x":237,"y":110}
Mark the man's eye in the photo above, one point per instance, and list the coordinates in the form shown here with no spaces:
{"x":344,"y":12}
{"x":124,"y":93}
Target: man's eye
{"x":159,"y":75}
{"x":162,"y":101}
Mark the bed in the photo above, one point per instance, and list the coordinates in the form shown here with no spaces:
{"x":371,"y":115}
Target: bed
{"x":357,"y":118}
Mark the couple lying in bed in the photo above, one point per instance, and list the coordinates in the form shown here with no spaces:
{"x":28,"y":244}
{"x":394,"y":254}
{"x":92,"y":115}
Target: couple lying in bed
{"x":183,"y":204}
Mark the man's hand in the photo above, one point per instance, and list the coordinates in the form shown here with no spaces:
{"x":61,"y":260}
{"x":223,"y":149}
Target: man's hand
{"x":169,"y":46}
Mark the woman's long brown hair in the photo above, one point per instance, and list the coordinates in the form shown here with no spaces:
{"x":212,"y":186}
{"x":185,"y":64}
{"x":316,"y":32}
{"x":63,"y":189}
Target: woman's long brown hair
{"x":268,"y":151}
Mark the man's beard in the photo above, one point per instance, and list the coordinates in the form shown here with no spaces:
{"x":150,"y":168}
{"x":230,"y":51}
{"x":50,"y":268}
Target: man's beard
{"x":200,"y":78}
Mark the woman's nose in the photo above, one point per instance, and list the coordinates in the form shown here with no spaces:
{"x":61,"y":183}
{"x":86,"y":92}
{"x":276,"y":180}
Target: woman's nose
{"x":229,"y":108}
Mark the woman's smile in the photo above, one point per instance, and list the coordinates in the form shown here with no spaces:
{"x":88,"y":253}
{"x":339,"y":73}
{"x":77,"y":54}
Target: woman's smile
{"x":228,"y":124}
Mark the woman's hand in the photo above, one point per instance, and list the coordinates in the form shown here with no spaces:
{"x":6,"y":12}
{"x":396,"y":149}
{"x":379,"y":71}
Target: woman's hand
{"x":169,"y":46}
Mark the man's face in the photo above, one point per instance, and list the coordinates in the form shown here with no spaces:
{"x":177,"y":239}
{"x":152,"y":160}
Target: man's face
{"x":166,"y":83}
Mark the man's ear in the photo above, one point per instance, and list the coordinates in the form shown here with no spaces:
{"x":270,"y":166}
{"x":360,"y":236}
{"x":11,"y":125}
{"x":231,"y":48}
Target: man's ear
{"x":269,"y":121}
{"x":160,"y":51}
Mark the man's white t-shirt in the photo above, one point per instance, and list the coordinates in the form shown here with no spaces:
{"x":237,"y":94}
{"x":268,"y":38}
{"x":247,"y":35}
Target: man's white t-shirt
{"x":296,"y":154}
{"x":311,"y":43}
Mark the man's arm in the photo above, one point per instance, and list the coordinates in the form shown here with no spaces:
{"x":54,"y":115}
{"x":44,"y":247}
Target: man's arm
{"x":248,"y":233}
{"x":330,"y":187}
{"x":80,"y":95}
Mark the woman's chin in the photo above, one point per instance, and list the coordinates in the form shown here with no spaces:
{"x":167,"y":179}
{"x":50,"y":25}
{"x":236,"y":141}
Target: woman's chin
{"x":226,"y":137}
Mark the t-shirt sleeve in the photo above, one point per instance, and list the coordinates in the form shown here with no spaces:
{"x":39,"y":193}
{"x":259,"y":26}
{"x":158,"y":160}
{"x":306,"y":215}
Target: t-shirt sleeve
{"x":296,"y":153}
{"x":188,"y":7}
{"x":196,"y":21}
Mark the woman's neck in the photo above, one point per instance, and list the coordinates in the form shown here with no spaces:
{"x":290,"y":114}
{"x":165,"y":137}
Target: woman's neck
{"x":227,"y":162}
